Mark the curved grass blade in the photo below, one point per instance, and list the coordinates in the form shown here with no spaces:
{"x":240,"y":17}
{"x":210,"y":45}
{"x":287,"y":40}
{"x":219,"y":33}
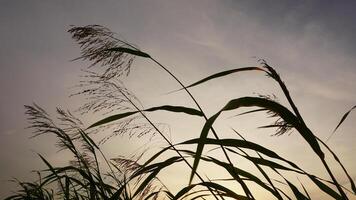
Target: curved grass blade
{"x":277,"y":108}
{"x":112,"y":118}
{"x":282,"y":111}
{"x":250,"y":111}
{"x":182,"y":109}
{"x":269,"y":163}
{"x":235,"y":143}
{"x":130,"y":51}
{"x":221,"y":74}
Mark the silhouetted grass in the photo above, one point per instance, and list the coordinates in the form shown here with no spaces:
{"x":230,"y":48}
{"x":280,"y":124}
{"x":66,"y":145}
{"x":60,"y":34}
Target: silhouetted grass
{"x":134,"y":178}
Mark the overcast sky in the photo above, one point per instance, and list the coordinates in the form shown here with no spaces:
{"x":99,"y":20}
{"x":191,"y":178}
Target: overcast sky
{"x":311,"y":43}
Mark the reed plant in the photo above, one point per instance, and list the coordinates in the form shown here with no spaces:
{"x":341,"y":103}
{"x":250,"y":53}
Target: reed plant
{"x":91,"y":175}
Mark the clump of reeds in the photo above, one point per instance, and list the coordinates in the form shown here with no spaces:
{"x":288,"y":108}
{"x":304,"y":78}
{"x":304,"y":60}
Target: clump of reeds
{"x":135,"y":178}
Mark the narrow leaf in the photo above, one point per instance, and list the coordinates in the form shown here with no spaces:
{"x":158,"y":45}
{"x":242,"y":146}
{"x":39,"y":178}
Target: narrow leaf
{"x":221,"y":74}
{"x":251,"y":111}
{"x":130,"y":51}
{"x":201,"y":143}
{"x":186,"y":110}
{"x":341,"y":121}
{"x":112,"y":118}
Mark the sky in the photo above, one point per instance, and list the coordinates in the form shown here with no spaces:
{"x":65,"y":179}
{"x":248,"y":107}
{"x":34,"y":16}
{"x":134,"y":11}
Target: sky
{"x":310,"y":43}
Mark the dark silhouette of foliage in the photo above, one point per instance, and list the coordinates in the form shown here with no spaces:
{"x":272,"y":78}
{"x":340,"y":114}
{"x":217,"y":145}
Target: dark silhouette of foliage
{"x":136,"y":178}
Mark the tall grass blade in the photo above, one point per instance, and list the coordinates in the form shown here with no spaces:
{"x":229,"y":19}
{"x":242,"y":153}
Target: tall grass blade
{"x":251,"y":111}
{"x":186,"y":110}
{"x":221,"y":74}
{"x":130,"y":51}
{"x":201,"y":143}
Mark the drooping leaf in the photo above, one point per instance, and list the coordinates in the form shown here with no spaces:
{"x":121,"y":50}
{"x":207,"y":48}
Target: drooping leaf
{"x":112,"y":118}
{"x":186,"y":110}
{"x":221,"y":74}
{"x":251,"y":111}
{"x":277,"y":108}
